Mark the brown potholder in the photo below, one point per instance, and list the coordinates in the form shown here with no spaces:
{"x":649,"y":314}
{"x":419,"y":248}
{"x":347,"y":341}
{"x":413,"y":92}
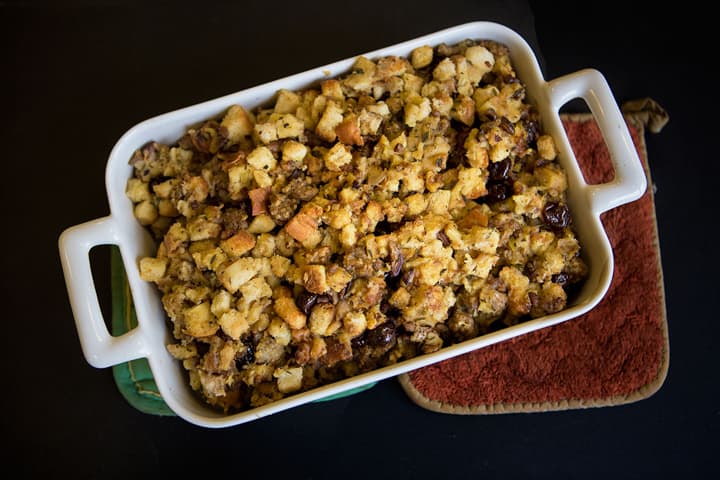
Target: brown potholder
{"x":617,"y":353}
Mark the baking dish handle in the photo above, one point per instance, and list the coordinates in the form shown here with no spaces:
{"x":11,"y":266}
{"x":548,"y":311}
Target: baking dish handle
{"x":630,"y":182}
{"x":100,"y":348}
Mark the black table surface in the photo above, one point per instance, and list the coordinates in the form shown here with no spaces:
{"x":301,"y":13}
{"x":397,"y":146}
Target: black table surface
{"x":76,"y":75}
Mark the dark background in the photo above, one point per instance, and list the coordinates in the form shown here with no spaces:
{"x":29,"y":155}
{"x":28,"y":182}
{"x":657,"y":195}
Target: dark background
{"x":75,"y":76}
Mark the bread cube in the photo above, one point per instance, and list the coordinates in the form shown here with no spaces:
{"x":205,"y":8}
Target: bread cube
{"x":337,"y":157}
{"x":262,"y":179}
{"x":239,"y":272}
{"x":198,"y":321}
{"x":166,"y":208}
{"x":480,"y":265}
{"x":280,"y":331}
{"x":315,"y":279}
{"x":238,"y":123}
{"x":369,"y":122}
{"x":321,"y":318}
{"x":445,"y":70}
{"x":337,"y":278}
{"x":287,"y":102}
{"x":165,"y":189}
{"x":417,"y":108}
{"x":354,"y":324}
{"x":137,"y":190}
{"x":240,"y":178}
{"x":390,"y":66}
{"x":152,"y":269}
{"x":289,"y":379}
{"x":262,"y":223}
{"x":546,"y":147}
{"x":293,"y":151}
{"x":201,"y":228}
{"x":261,"y":159}
{"x":348,"y":131}
{"x":287,"y":310}
{"x":508,"y":103}
{"x":233,"y":323}
{"x":348,"y":235}
{"x":421,"y":57}
{"x":182,"y":352}
{"x":517,"y":285}
{"x":146,"y":212}
{"x":482,"y":238}
{"x":279,"y":265}
{"x":318,"y":348}
{"x":289,"y":126}
{"x":221,"y":302}
{"x":400,"y":299}
{"x":439,"y":202}
{"x":540,"y":241}
{"x":482,"y":95}
{"x":361,"y":80}
{"x":255,"y":289}
{"x":463,"y":110}
{"x":264,"y":245}
{"x":266,"y":132}
{"x":471,"y":182}
{"x":301,"y":227}
{"x":481,"y":62}
{"x":209,"y":258}
{"x":332,"y":89}
{"x":551,"y":177}
{"x":476,"y":151}
{"x":416,"y":203}
{"x":178,"y":162}
{"x":331,"y":118}
{"x":528,"y":203}
{"x":339,"y":217}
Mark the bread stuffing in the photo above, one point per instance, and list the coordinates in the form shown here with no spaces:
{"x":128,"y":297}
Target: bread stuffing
{"x":406,"y":205}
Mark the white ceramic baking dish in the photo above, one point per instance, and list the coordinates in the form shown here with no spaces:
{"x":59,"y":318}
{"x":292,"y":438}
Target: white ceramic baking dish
{"x":120,"y":228}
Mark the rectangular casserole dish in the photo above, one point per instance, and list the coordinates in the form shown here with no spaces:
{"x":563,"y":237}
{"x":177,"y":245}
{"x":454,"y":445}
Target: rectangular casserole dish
{"x":120,"y":228}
